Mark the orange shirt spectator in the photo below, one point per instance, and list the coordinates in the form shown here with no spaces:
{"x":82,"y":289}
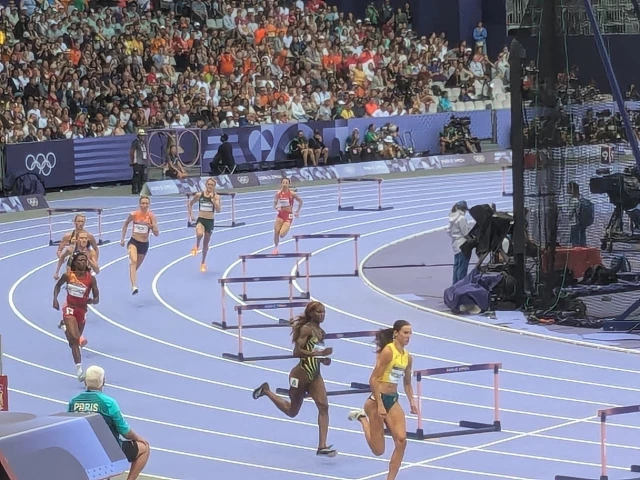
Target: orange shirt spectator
{"x":227,"y":64}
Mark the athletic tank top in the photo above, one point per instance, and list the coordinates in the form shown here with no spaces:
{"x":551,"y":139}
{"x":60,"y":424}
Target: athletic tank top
{"x":141,"y":222}
{"x":394,"y":372}
{"x":78,"y":288}
{"x":285,"y":199}
{"x":205,"y":204}
{"x":311,"y":365}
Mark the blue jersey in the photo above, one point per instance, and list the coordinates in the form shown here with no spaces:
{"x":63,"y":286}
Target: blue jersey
{"x":97,"y":402}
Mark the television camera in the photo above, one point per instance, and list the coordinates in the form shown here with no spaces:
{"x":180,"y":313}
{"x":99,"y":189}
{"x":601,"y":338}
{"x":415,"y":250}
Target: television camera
{"x":623,"y":190}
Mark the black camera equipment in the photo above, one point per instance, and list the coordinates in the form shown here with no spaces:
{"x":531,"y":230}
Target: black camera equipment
{"x":623,"y":190}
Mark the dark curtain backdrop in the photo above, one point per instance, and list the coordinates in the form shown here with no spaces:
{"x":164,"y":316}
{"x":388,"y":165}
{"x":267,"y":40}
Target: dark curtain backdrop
{"x":457,"y":18}
{"x":582,"y":51}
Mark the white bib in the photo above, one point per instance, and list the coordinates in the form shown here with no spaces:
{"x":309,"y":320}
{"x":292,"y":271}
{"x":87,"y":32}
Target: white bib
{"x":140,"y":228}
{"x":77,"y":291}
{"x":206,"y":207}
{"x":396,"y":375}
{"x":283,"y":202}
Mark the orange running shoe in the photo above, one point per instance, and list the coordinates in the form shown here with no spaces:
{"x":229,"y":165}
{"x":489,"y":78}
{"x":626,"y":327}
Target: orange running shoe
{"x":203,"y":267}
{"x":194,"y":251}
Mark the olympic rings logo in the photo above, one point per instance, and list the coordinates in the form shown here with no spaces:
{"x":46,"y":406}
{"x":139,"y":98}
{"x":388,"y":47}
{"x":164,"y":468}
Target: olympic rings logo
{"x":44,"y":163}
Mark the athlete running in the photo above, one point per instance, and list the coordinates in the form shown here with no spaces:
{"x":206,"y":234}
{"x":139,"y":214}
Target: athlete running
{"x":283,"y":203}
{"x":69,"y":239}
{"x":80,"y":284}
{"x":208,"y":202}
{"x":144,"y":221}
{"x":80,"y":245}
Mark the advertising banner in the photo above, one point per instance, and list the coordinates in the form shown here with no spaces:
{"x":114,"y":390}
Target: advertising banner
{"x":52,"y":161}
{"x":329,"y":172}
{"x":4,"y":393}
{"x":22,"y":204}
{"x":102,"y":159}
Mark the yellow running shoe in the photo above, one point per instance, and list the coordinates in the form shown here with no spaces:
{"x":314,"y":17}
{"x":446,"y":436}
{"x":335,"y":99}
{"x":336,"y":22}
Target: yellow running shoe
{"x":203,"y":267}
{"x":194,"y":251}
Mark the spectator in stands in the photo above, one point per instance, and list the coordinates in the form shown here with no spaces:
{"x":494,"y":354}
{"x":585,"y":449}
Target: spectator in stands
{"x":480,"y":35}
{"x":93,"y":400}
{"x":178,"y":64}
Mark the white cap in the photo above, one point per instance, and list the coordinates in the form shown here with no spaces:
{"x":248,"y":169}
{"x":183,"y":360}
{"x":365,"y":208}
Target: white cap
{"x":94,"y":377}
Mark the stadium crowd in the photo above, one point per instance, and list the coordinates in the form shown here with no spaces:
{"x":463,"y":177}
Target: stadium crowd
{"x":74,"y":69}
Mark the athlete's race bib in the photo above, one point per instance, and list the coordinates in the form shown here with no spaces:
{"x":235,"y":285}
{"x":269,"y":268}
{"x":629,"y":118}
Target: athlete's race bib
{"x":140,"y":228}
{"x":206,"y":207}
{"x":77,"y":291}
{"x":396,"y":375}
{"x":284,"y":202}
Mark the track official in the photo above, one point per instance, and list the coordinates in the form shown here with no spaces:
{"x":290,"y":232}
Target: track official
{"x":94,"y":401}
{"x":139,"y":159}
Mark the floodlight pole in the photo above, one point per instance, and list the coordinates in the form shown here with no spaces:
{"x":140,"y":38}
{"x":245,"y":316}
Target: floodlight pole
{"x":516,"y":63}
{"x":613,"y":83}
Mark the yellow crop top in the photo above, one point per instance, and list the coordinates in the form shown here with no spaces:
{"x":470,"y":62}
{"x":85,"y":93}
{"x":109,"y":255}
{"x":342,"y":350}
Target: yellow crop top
{"x":394,"y":372}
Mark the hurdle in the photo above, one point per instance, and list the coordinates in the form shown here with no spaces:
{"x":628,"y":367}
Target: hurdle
{"x":244,"y":280}
{"x":504,"y":183}
{"x":240,"y":357}
{"x":191,"y":224}
{"x":469,"y":428}
{"x":354,"y":236}
{"x":603,"y":414}
{"x":51,"y":211}
{"x":258,"y":256}
{"x":379,"y":181}
{"x":352,"y":391}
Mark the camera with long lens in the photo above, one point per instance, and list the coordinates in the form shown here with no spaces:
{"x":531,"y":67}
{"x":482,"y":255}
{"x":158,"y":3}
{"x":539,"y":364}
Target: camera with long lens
{"x":623,"y":190}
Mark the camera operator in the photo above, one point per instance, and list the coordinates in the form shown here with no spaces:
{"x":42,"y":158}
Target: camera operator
{"x":457,"y":137}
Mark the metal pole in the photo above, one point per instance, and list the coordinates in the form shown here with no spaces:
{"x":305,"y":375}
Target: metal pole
{"x":516,"y":60}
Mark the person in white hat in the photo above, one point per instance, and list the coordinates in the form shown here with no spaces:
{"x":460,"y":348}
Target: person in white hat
{"x":93,"y":400}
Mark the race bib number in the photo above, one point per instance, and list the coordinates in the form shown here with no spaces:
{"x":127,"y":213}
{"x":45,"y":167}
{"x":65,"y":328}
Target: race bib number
{"x":283,"y":202}
{"x":68,"y":311}
{"x":293,"y":382}
{"x":140,"y":228}
{"x":396,"y":375}
{"x":77,"y":291}
{"x":206,"y":207}
{"x":291,"y":216}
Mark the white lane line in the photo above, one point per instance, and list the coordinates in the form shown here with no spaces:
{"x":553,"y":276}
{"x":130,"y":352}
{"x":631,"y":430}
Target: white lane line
{"x":181,"y":207}
{"x":202,"y":430}
{"x":459,"y":449}
{"x":526,"y":333}
{"x":480,"y":448}
{"x":316,"y":189}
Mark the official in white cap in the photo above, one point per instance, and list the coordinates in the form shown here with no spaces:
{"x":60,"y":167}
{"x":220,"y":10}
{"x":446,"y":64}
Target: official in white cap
{"x":93,"y":400}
